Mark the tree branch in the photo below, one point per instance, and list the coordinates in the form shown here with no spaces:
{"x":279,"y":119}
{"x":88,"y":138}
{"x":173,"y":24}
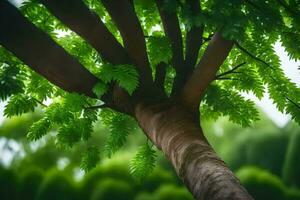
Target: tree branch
{"x":233,"y":70}
{"x":41,"y":53}
{"x":124,"y":16}
{"x":97,"y":107}
{"x":251,"y":55}
{"x":160,"y":76}
{"x":193,"y":39}
{"x":173,"y":32}
{"x":214,"y":55}
{"x":80,"y":19}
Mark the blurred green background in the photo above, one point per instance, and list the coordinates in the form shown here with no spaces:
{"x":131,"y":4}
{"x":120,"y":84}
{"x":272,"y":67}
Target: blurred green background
{"x":266,"y":158}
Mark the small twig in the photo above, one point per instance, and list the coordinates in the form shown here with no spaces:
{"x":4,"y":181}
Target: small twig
{"x":41,"y":103}
{"x":294,"y":103}
{"x":97,"y":107}
{"x":251,"y":55}
{"x":228,"y":78}
{"x":231,"y":71}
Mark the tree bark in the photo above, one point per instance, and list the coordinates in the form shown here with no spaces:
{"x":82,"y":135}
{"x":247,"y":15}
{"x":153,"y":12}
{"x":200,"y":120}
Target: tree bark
{"x":178,"y":134}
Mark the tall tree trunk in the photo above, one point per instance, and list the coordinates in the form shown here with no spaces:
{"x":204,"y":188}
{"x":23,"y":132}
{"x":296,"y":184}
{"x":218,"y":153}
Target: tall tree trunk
{"x":178,"y":134}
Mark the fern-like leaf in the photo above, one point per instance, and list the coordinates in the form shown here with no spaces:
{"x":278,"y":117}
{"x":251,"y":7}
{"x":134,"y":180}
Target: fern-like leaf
{"x":90,"y":159}
{"x":143,"y":162}
{"x":39,"y":129}
{"x":119,"y":125}
{"x":19,"y":104}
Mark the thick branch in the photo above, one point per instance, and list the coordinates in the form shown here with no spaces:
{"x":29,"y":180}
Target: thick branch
{"x":214,"y":56}
{"x":178,"y":134}
{"x":160,"y":76}
{"x":80,"y":19}
{"x":193,"y":39}
{"x":41,"y":53}
{"x":173,"y":32}
{"x":124,"y":16}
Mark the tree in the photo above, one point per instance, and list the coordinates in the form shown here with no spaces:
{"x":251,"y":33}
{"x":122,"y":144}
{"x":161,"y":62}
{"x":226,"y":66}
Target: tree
{"x":157,"y":61}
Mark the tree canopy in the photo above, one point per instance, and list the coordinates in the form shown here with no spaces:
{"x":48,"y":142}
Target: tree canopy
{"x":110,"y":54}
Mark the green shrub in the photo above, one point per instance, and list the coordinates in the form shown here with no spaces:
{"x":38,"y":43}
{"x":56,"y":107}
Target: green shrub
{"x":30,"y":180}
{"x":145,"y":196}
{"x":110,"y":189}
{"x":156,"y":179}
{"x":290,"y":171}
{"x":57,"y":186}
{"x":113,"y":170}
{"x":261,"y":184}
{"x":293,"y":194}
{"x":265,"y":150}
{"x":168,"y":192}
{"x":8,"y":184}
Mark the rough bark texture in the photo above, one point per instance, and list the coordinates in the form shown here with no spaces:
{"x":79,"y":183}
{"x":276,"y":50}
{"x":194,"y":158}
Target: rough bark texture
{"x":177,"y":133}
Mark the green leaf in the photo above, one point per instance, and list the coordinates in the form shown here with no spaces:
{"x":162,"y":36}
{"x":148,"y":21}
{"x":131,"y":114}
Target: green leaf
{"x":99,"y":89}
{"x":125,"y":76}
{"x":10,"y":82}
{"x":90,"y":159}
{"x":74,"y":131}
{"x":39,"y":129}
{"x":143,"y":162}
{"x":159,"y":49}
{"x":119,"y":125}
{"x":229,"y":103}
{"x":19,"y":104}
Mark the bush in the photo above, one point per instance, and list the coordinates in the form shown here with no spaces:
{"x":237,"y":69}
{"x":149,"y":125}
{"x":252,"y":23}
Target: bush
{"x":110,"y":189}
{"x":30,"y":180}
{"x":57,"y":186}
{"x":293,"y":194}
{"x":8,"y":184}
{"x":144,"y":196}
{"x":290,"y":171}
{"x":265,"y":150}
{"x":261,"y":184}
{"x":156,"y":179}
{"x":113,"y":170}
{"x":168,"y":192}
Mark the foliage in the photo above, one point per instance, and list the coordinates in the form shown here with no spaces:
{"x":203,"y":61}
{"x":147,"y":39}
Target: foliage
{"x":262,"y":149}
{"x":119,"y":125}
{"x":30,"y":180}
{"x":90,"y":159}
{"x":19,"y":104}
{"x":8,"y":183}
{"x":290,"y":172}
{"x":143,"y":162}
{"x":39,"y":129}
{"x":261,"y":184}
{"x":223,"y":101}
{"x":255,"y":26}
{"x":124,"y":75}
{"x":111,"y":189}
{"x":56,"y":186}
{"x":172,"y":192}
{"x":159,"y":49}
